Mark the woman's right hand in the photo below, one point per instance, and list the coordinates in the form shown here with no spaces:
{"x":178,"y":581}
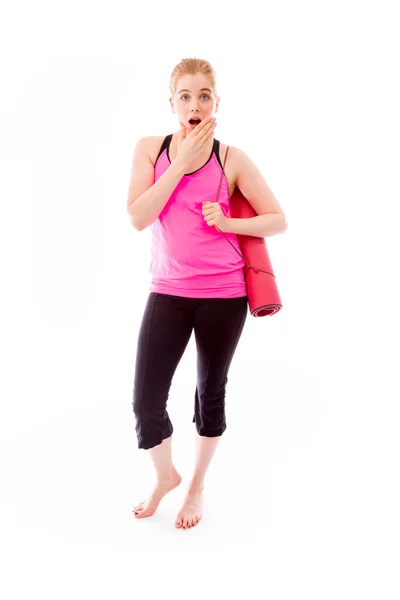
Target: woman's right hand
{"x":191,"y":142}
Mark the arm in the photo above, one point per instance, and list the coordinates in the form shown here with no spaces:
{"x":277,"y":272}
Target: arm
{"x":147,"y":199}
{"x":270,"y":218}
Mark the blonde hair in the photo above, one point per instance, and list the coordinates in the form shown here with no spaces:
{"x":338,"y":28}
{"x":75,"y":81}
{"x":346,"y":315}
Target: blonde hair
{"x":192,"y":66}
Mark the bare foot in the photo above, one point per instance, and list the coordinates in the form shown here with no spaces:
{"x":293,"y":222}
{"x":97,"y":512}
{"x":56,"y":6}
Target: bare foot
{"x":191,"y":511}
{"x":148,"y":507}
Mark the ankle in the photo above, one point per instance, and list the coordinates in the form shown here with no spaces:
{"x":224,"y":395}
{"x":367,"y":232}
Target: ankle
{"x":195,"y":487}
{"x":167,"y":476}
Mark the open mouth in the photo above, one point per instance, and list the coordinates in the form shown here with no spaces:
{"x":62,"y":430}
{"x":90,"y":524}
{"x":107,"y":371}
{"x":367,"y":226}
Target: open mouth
{"x":194,"y":121}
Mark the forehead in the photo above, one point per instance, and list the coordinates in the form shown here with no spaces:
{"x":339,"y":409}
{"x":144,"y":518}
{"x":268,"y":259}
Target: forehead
{"x":193,"y":82}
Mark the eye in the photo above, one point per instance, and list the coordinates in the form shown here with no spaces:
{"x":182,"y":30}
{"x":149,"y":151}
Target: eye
{"x":186,"y":96}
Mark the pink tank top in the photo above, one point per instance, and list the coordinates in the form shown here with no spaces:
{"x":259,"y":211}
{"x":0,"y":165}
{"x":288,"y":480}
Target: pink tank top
{"x":188,"y":257}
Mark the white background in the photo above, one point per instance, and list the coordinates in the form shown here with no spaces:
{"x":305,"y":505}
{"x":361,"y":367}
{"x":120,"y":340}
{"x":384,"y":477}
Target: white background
{"x":302,"y":495}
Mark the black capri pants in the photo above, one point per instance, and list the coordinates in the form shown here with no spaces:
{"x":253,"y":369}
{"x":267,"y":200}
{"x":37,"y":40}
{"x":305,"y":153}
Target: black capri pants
{"x":166,"y":328}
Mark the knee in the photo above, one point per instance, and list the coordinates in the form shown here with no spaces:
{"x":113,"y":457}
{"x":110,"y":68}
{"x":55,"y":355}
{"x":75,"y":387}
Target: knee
{"x":214,"y":432}
{"x":139,"y":406}
{"x":136,"y":404}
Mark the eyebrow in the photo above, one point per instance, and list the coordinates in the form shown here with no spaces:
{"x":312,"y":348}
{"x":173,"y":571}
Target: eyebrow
{"x":202,"y":89}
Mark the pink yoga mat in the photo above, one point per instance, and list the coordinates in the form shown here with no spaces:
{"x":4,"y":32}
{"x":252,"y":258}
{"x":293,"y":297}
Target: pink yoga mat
{"x":262,"y":290}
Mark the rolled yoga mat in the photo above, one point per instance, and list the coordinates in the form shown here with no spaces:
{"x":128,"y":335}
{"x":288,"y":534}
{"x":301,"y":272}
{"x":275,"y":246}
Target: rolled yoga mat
{"x":262,"y":290}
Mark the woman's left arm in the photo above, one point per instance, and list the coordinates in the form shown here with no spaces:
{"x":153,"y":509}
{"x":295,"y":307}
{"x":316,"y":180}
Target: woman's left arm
{"x":270,"y":218}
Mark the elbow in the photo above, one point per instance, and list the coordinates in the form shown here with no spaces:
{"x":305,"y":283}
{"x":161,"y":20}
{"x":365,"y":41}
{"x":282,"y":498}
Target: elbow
{"x":137,"y":227}
{"x":133,"y":220}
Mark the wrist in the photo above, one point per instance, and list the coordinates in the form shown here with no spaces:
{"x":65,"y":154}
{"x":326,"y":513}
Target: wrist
{"x":179,"y":165}
{"x":226,"y":224}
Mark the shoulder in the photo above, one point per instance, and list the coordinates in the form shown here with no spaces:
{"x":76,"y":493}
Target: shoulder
{"x":236,"y":159}
{"x":242,"y":165}
{"x":231,"y":158}
{"x":151,"y":141}
{"x":237,"y":155}
{"x":152,"y":144}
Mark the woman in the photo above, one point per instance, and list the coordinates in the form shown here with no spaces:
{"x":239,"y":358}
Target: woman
{"x":197,"y":278}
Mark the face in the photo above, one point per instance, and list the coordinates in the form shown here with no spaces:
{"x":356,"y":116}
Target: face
{"x":190,"y":99}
